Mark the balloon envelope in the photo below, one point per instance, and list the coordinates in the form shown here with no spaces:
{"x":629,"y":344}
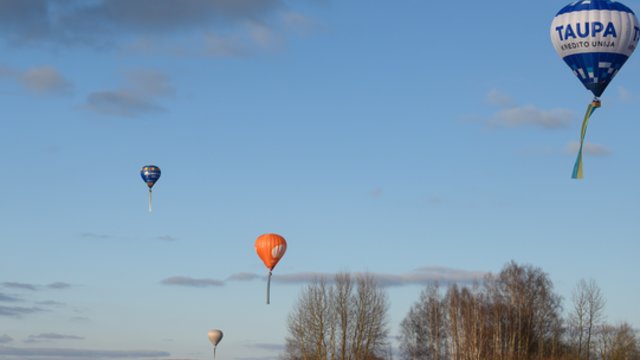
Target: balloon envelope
{"x":270,"y":248}
{"x":215,"y":336}
{"x":595,"y":38}
{"x":150,"y":174}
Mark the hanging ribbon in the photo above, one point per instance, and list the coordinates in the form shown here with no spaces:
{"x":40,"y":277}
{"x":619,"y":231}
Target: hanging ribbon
{"x":577,"y":168}
{"x":268,"y":287}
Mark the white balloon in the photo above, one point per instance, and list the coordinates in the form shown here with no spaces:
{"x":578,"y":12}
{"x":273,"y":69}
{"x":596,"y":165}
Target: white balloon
{"x":215,"y":336}
{"x":595,"y":38}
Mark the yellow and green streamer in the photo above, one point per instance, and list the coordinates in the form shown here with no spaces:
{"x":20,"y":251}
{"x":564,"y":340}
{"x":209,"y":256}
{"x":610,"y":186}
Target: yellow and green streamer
{"x":577,"y":168}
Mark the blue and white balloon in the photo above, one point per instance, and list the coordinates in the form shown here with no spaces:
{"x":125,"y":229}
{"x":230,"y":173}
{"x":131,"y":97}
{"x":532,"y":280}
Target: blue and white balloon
{"x":595,"y":38}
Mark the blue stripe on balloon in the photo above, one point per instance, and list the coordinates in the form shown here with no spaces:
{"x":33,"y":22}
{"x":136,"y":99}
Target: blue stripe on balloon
{"x":594,"y":5}
{"x":603,"y":66}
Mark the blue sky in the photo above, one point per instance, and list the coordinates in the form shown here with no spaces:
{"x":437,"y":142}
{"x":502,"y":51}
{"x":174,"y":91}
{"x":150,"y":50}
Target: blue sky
{"x":416,"y":140}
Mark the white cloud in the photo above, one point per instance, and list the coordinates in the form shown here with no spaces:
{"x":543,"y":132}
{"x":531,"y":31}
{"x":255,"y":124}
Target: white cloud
{"x":530,"y":115}
{"x":137,"y":97}
{"x":79,"y":353}
{"x":297,"y":22}
{"x":263,"y":36}
{"x":59,"y":285}
{"x":223,"y":46}
{"x":191,"y":282}
{"x":588,"y":149}
{"x":5,"y":339}
{"x":18,"y":285}
{"x":376,"y":192}
{"x":625,"y":95}
{"x":149,"y":83}
{"x":45,"y":80}
{"x":121,"y":103}
{"x":9,"y":298}
{"x":75,"y":22}
{"x":496,"y":97}
{"x":268,"y":347}
{"x":18,"y":311}
{"x":513,"y":115}
{"x":246,"y":24}
{"x":167,"y":238}
{"x":90,"y":235}
{"x":42,"y":80}
{"x":421,"y":276}
{"x":242,"y":277}
{"x":51,"y":336}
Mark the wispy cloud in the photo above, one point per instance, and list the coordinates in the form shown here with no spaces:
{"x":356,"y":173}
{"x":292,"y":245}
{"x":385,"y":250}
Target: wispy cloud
{"x":31,"y":287}
{"x":9,"y":298}
{"x":59,"y":285}
{"x":167,"y":238}
{"x":434,"y":200}
{"x":50,"y":337}
{"x":512,"y":115}
{"x":107,"y":23}
{"x":18,"y":311}
{"x":80,"y":319}
{"x":137,"y":97}
{"x":264,"y":348}
{"x":376,"y":192}
{"x":50,"y":303}
{"x":242,"y":277}
{"x":121,"y":103}
{"x":627,"y":96}
{"x":80,"y":353}
{"x":90,"y":235}
{"x":43,"y":80}
{"x":18,"y":285}
{"x":299,"y":23}
{"x":420,"y":276}
{"x":530,"y":115}
{"x":267,"y":357}
{"x":267,"y":347}
{"x":4,"y":339}
{"x":149,"y":83}
{"x":497,"y":97}
{"x":588,"y":148}
{"x":191,"y":282}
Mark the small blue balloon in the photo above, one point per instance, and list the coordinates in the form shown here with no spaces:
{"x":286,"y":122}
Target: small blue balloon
{"x":150,"y":174}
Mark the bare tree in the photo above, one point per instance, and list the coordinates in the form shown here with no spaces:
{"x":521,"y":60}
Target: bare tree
{"x":526,"y":320}
{"x":588,"y":307}
{"x":343,"y":321}
{"x":423,"y":330}
{"x":307,"y":324}
{"x":617,"y":343}
{"x":511,"y":316}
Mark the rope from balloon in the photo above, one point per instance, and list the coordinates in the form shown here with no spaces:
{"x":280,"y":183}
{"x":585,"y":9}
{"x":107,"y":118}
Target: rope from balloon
{"x":150,"y":209}
{"x":268,"y":287}
{"x":577,"y":167}
{"x":214,"y":352}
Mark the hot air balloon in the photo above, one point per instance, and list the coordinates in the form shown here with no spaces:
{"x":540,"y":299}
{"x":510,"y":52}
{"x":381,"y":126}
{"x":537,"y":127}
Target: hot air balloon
{"x":595,"y":38}
{"x":150,"y":174}
{"x":270,"y":248}
{"x":215,"y":336}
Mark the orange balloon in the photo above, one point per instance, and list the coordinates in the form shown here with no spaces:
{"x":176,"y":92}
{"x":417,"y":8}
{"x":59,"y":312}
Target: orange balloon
{"x":270,"y":248}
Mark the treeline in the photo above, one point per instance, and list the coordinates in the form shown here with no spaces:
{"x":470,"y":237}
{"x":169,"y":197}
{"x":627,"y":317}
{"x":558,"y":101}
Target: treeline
{"x":514,"y":315}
